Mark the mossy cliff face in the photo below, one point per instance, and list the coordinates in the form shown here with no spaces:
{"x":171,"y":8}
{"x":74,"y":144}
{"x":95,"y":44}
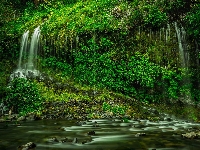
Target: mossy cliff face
{"x":129,"y":47}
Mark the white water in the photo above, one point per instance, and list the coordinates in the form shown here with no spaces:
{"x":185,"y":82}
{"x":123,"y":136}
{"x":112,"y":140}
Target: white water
{"x":23,"y":48}
{"x":33,"y":49}
{"x":184,"y":59}
{"x":28,"y":69}
{"x":181,"y":43}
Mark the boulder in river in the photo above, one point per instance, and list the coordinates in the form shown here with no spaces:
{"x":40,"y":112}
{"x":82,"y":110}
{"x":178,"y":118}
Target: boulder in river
{"x":91,"y":133}
{"x":27,"y":146}
{"x":52,"y":140}
{"x":191,"y":135}
{"x":80,"y":123}
{"x":22,"y":118}
{"x":75,"y":141}
{"x":140,"y":134}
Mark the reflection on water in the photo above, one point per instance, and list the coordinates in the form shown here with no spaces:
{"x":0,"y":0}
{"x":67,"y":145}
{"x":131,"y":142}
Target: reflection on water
{"x":109,"y":135}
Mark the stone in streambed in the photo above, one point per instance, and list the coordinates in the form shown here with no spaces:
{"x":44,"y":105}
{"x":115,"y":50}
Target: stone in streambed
{"x":140,"y":134}
{"x":27,"y":146}
{"x":22,"y":118}
{"x":191,"y":135}
{"x":75,"y":141}
{"x":2,"y":120}
{"x":80,"y":123}
{"x":95,"y":124}
{"x":85,"y":141}
{"x":64,"y":140}
{"x":91,"y":133}
{"x":53,"y":140}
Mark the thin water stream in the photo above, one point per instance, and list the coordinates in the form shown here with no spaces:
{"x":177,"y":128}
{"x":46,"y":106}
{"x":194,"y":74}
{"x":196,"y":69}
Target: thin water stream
{"x":99,"y":135}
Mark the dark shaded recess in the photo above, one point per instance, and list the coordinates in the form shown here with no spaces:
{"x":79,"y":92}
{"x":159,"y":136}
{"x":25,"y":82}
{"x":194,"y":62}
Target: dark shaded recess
{"x":176,"y":10}
{"x":7,"y":48}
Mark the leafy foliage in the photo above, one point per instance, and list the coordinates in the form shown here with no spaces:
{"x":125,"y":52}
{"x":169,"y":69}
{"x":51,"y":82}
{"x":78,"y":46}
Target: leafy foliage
{"x":192,"y":21}
{"x":121,"y":110}
{"x":23,"y":96}
{"x":110,"y":62}
{"x":154,"y":17}
{"x":55,"y":64}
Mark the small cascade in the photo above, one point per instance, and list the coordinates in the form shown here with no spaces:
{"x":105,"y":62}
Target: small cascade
{"x":181,"y":34}
{"x":197,"y":53}
{"x":33,"y":50}
{"x":184,"y":58}
{"x":77,"y":41}
{"x":167,"y":37}
{"x":29,"y":68}
{"x":160,"y":34}
{"x":23,"y":48}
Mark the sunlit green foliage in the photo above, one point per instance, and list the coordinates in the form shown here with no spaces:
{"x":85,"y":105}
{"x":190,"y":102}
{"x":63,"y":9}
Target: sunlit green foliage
{"x":116,"y":109}
{"x":111,"y":53}
{"x":23,"y":96}
{"x":154,"y":17}
{"x":57,"y":65}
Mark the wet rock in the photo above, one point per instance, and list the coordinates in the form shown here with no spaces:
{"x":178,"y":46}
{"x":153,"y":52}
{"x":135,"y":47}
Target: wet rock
{"x":27,"y":146}
{"x":63,"y":140}
{"x":11,"y":117}
{"x":80,"y":123}
{"x":75,"y":141}
{"x":191,"y":135}
{"x":61,"y":128}
{"x":31,"y":117}
{"x":85,"y":141}
{"x":95,"y":124}
{"x":196,"y":128}
{"x":140,"y":134}
{"x":2,"y":120}
{"x":91,"y":133}
{"x":52,"y":140}
{"x":168,"y":119}
{"x":22,"y":118}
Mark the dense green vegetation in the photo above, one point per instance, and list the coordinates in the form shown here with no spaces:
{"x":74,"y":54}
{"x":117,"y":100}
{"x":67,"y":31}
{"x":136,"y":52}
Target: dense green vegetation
{"x":101,"y":44}
{"x":23,"y":96}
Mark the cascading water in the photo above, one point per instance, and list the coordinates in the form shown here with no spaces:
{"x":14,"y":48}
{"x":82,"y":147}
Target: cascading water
{"x":184,"y":58}
{"x":182,"y":48}
{"x":31,"y":65}
{"x":23,"y":48}
{"x":29,"y":68}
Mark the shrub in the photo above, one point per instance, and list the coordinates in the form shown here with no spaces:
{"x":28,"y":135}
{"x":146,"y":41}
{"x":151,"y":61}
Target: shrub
{"x":23,"y":96}
{"x":154,"y":17}
{"x":192,"y":22}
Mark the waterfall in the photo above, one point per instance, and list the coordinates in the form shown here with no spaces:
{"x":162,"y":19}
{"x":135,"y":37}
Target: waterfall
{"x":181,"y":43}
{"x":33,"y":49}
{"x":184,"y":58}
{"x":29,"y":68}
{"x":77,"y":41}
{"x":23,"y":48}
{"x":197,"y":53}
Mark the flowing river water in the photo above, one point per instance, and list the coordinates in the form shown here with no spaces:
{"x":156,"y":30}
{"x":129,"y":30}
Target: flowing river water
{"x":105,"y":134}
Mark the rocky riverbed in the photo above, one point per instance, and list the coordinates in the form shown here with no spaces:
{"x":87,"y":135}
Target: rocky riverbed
{"x":88,"y":125}
{"x":96,"y":134}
